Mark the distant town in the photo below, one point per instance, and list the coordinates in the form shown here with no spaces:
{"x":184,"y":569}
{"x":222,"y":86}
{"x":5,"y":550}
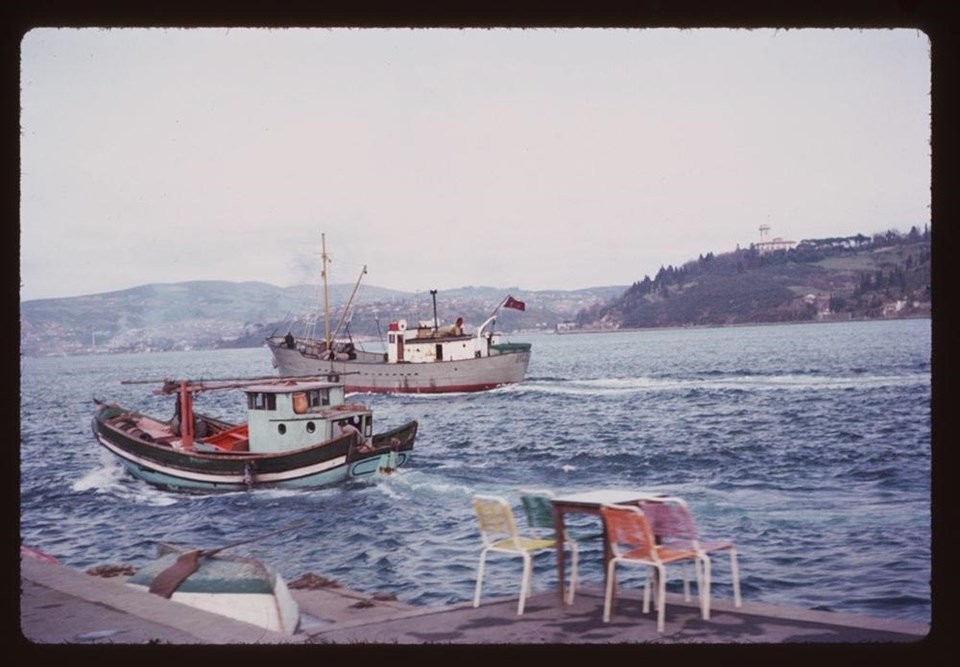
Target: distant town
{"x":885,"y":275}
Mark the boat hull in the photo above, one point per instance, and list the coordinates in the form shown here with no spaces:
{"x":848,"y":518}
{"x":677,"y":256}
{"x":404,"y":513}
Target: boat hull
{"x":325,"y":464}
{"x":359,"y":376}
{"x":242,"y":588}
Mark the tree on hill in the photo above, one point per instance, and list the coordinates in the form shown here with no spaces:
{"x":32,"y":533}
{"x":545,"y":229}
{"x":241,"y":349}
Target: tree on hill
{"x":746,"y":286}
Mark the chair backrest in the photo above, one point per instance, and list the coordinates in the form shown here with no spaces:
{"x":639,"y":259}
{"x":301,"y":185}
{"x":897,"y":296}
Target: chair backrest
{"x":538,"y":508}
{"x":628,"y":531}
{"x":494,"y":517}
{"x":671,"y":520}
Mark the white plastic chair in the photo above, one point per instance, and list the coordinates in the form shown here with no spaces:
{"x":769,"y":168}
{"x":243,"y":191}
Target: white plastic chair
{"x":498,"y":531}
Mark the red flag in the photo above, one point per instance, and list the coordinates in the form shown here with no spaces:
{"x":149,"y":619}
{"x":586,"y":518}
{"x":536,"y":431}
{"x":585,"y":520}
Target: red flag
{"x":513,"y":303}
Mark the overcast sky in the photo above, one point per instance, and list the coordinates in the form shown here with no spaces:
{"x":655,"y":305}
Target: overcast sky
{"x":537,"y":159}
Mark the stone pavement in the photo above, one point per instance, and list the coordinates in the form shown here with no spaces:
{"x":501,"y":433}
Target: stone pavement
{"x":59,"y":605}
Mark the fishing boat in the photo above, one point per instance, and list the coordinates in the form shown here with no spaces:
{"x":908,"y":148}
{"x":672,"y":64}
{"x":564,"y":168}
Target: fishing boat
{"x":235,"y":586}
{"x":425,"y":358}
{"x":298,"y":434}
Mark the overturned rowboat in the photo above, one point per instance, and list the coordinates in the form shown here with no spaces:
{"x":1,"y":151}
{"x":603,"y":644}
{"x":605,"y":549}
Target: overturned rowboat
{"x":296,"y":436}
{"x":238,"y":587}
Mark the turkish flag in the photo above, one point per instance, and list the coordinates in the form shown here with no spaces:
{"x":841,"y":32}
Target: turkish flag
{"x":513,"y":303}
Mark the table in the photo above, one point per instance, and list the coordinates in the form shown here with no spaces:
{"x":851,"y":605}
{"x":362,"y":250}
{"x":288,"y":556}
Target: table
{"x":589,"y":502}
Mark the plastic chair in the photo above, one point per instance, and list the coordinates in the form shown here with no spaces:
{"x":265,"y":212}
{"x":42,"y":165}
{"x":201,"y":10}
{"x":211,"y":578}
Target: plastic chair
{"x":673,"y":524}
{"x":499,"y":533}
{"x":538,"y":508}
{"x":631,"y":542}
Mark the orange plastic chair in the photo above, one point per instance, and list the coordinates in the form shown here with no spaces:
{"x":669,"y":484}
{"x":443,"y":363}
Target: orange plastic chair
{"x":499,"y":533}
{"x":673,"y":524}
{"x":631,"y":542}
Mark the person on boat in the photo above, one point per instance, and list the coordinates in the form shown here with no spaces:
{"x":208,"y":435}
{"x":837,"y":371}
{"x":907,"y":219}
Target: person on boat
{"x":288,"y":339}
{"x":458,"y":327}
{"x":347,"y":426}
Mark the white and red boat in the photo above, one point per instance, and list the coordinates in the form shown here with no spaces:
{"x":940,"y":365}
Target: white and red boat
{"x":424,"y":359}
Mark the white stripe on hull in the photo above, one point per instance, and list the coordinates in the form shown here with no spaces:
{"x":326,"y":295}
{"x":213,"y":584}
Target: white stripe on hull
{"x":180,"y":473}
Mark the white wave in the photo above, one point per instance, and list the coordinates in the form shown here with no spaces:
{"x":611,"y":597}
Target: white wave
{"x":421,"y":482}
{"x":99,"y":479}
{"x":111,"y":478}
{"x":621,"y":386}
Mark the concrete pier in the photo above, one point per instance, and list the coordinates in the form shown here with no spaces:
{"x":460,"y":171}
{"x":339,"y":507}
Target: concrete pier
{"x":60,"y":605}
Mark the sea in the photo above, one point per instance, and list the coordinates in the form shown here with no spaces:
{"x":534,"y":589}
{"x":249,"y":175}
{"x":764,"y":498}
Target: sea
{"x":807,"y":445}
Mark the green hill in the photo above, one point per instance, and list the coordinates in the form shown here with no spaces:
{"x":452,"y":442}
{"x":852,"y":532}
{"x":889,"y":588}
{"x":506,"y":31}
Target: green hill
{"x":818,"y":280}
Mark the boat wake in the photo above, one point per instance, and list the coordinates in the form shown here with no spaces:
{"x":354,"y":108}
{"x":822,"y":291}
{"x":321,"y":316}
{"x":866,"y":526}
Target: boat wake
{"x":738,"y":382}
{"x":112,"y":479}
{"x":416,"y":483}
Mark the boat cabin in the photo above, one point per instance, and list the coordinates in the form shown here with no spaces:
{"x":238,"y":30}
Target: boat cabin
{"x":291,"y":415}
{"x":427,"y":344}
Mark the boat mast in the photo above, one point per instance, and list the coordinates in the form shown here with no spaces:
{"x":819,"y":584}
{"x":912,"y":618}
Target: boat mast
{"x":326,"y":304}
{"x":346,"y":308}
{"x":436,"y":322}
{"x":186,"y":416}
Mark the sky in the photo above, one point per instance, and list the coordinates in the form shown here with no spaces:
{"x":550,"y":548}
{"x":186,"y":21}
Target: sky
{"x":537,"y":159}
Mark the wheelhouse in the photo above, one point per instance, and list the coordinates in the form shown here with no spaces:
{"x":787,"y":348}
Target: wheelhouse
{"x":291,"y":415}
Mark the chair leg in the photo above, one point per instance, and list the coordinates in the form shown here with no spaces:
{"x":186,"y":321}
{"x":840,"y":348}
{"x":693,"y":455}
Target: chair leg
{"x":646,"y":590}
{"x":573,"y":571}
{"x":608,"y":597}
{"x":476,"y":595}
{"x":661,"y":598}
{"x":702,"y":565}
{"x":524,"y":584}
{"x":735,"y":576}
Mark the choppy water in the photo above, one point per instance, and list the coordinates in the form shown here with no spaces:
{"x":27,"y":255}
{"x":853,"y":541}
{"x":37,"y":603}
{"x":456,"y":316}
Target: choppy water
{"x":808,"y":445}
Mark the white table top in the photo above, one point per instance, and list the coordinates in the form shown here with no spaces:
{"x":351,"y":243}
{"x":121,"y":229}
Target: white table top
{"x":606,"y":496}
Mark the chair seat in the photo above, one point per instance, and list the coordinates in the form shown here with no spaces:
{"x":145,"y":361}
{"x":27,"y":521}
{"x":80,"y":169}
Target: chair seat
{"x":525,"y":543}
{"x":666,"y":555}
{"x":572,"y":535}
{"x":716,"y":545}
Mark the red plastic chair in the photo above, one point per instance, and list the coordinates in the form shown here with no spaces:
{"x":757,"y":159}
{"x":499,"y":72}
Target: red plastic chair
{"x":673,"y":524}
{"x":631,"y":542}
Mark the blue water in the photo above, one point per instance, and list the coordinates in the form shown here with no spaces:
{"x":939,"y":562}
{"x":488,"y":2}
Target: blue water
{"x":807,"y":445}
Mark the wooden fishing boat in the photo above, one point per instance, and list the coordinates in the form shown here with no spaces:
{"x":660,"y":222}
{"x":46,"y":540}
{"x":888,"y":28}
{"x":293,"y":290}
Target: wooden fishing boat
{"x":294,"y":437}
{"x":235,"y":586}
{"x":426,"y":358}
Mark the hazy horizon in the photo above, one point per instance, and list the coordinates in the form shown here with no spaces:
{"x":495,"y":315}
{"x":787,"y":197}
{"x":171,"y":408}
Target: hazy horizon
{"x":440,"y":158}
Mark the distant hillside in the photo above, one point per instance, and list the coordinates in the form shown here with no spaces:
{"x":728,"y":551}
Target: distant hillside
{"x":887,"y":275}
{"x":818,"y":280}
{"x":212,"y":314}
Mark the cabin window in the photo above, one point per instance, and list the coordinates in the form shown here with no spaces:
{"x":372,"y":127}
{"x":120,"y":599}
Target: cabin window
{"x":318,"y":397}
{"x":392,"y":338}
{"x":300,"y":402}
{"x":281,"y":428}
{"x":311,"y":427}
{"x":258,"y":400}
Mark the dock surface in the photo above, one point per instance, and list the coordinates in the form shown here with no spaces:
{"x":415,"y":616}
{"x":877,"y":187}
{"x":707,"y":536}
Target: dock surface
{"x":60,"y":605}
